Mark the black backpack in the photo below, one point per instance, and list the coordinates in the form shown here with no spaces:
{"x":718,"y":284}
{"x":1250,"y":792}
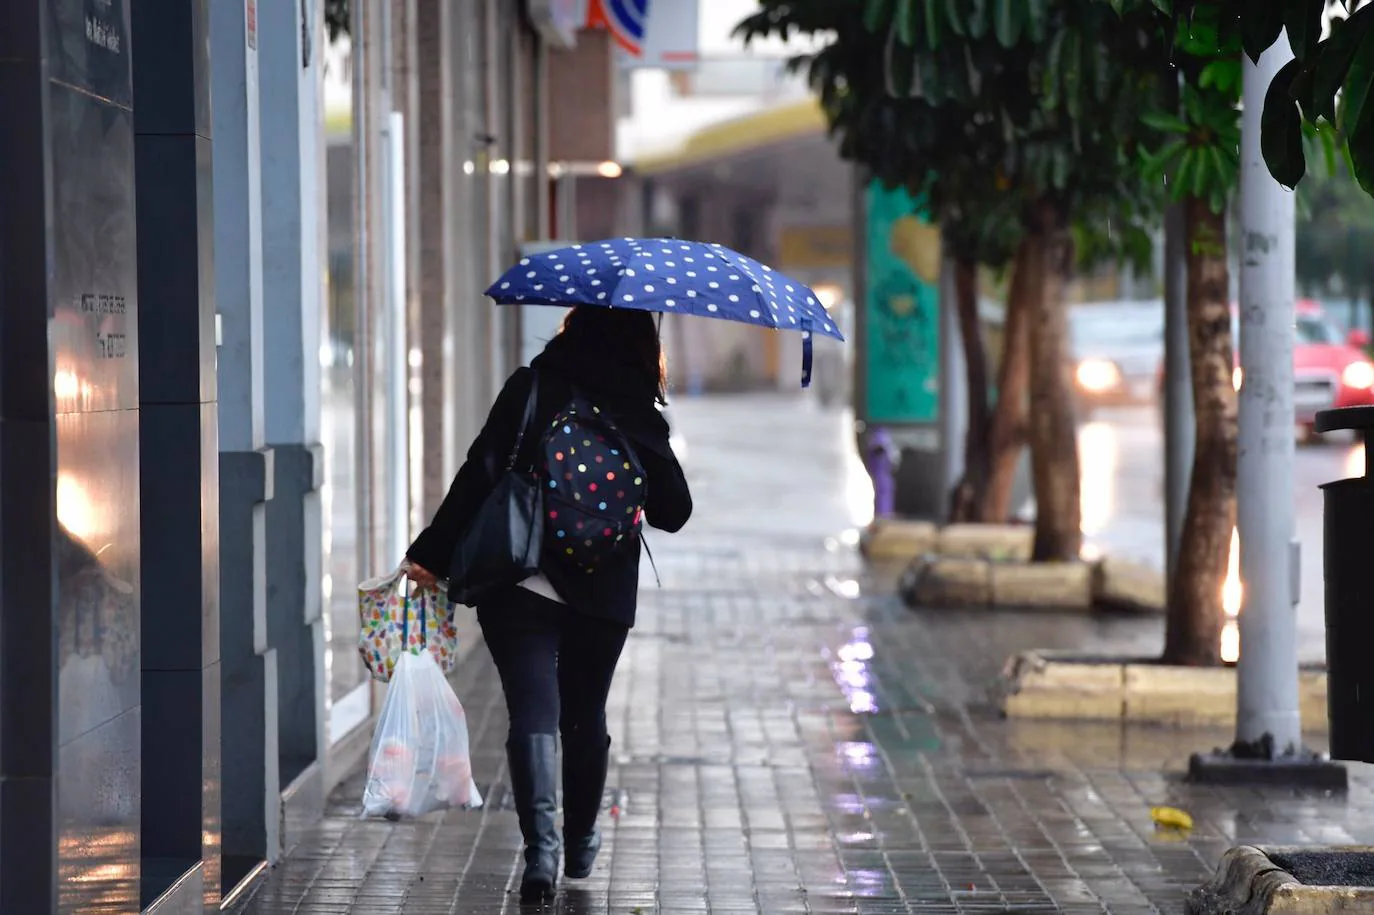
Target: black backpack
{"x":595,"y":487}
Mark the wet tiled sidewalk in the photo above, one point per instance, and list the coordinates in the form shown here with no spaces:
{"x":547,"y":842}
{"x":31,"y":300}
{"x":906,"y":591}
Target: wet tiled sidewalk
{"x":790,"y":739}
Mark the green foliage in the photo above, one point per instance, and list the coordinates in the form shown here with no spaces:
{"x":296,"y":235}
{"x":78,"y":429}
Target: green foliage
{"x":985,"y":107}
{"x":933,"y":143}
{"x":1194,"y":147}
{"x":1198,"y":151}
{"x":1335,"y":234}
{"x":1329,"y":84}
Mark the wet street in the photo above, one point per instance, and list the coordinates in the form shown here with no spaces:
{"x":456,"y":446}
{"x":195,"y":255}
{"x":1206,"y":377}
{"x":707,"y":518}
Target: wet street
{"x":790,"y":738}
{"x":1123,"y":500}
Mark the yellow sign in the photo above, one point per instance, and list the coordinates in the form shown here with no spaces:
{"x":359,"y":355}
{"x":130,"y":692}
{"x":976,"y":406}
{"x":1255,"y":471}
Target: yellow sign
{"x":803,"y":247}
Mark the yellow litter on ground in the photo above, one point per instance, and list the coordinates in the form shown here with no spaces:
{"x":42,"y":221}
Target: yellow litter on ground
{"x":1171,"y":817}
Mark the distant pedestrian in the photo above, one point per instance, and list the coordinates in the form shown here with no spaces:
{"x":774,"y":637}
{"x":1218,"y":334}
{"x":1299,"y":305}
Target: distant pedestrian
{"x":556,"y":638}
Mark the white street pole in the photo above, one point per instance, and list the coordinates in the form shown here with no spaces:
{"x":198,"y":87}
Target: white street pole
{"x":1268,"y":669}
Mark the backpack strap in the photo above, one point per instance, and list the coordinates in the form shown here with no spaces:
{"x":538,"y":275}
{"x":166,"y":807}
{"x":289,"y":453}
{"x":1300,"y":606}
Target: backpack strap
{"x":525,"y":422}
{"x":650,"y":553}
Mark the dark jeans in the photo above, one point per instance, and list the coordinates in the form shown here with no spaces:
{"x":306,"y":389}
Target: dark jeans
{"x":555,"y":663}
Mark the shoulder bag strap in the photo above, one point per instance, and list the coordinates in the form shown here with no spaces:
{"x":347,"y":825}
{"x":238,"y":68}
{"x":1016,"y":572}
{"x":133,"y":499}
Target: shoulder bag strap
{"x":525,"y":422}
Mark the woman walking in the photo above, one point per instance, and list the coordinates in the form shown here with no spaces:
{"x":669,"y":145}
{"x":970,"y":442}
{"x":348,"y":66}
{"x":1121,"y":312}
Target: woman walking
{"x":556,"y":637}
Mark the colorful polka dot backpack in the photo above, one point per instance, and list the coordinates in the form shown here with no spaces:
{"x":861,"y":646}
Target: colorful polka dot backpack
{"x":595,"y":487}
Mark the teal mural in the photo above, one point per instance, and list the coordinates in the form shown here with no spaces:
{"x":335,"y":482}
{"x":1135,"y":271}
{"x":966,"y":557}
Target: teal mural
{"x":902,"y":310}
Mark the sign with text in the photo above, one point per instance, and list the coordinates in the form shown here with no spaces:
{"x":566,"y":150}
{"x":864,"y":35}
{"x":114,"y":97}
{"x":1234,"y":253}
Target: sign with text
{"x":88,"y":47}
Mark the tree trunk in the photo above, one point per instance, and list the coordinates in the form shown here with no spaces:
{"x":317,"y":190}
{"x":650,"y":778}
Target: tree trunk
{"x":1194,"y":623}
{"x":1053,"y":434}
{"x":969,"y":493}
{"x":1007,"y":432}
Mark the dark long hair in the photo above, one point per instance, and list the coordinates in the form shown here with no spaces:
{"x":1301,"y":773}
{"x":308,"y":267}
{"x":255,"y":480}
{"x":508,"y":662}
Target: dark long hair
{"x":630,"y":334}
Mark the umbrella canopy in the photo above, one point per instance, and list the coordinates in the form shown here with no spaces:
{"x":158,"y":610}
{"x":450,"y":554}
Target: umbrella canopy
{"x":671,"y":276}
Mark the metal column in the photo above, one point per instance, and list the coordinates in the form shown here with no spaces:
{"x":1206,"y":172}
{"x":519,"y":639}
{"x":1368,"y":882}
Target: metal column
{"x":1268,"y":675}
{"x":1268,"y":747}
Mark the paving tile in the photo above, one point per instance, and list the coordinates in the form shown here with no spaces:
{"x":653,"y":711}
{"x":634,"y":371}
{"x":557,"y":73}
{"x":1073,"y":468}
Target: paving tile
{"x":784,"y":745}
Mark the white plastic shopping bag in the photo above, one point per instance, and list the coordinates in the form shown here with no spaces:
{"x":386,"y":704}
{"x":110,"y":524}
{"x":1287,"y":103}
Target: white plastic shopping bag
{"x":419,"y":761}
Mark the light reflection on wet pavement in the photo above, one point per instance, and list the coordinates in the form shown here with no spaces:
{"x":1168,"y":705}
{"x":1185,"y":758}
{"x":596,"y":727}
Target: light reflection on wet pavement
{"x":790,"y":739}
{"x":1123,"y":500}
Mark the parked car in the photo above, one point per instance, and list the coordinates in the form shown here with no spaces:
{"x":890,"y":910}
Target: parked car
{"x":1117,"y":348}
{"x":1331,"y":367}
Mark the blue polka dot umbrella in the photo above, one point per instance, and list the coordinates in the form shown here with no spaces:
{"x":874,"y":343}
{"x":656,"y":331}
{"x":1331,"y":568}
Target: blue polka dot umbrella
{"x":670,"y":276}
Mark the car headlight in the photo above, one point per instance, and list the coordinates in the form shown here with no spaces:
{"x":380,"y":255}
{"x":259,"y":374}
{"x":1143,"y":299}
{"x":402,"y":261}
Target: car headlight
{"x":1358,"y":375}
{"x":1097,"y":375}
{"x":1236,"y":376}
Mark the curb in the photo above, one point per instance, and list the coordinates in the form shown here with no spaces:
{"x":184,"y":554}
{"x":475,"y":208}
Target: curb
{"x":1251,"y":881}
{"x":1065,"y":686}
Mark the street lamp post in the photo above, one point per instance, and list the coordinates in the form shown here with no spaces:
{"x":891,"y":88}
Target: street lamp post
{"x":1267,"y":678}
{"x":1268,"y":744}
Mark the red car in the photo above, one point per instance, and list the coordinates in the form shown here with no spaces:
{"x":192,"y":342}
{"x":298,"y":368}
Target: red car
{"x":1330,"y":368}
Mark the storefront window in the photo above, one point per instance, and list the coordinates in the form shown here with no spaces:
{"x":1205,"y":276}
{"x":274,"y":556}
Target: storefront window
{"x":349,"y":699}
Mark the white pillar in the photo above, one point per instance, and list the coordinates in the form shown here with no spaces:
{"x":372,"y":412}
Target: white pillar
{"x":371,"y":111}
{"x":251,"y":786}
{"x":465,"y":379}
{"x":1268,"y":674}
{"x":292,"y":151}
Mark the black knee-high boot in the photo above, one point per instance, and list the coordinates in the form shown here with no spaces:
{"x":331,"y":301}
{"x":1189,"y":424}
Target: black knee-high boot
{"x":585,"y":761}
{"x":533,"y":772}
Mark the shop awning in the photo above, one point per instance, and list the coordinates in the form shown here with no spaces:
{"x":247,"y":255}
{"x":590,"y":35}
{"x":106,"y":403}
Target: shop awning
{"x":739,"y":136}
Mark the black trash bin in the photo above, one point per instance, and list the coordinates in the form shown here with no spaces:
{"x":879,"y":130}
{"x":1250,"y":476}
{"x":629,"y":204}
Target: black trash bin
{"x":1348,"y":566}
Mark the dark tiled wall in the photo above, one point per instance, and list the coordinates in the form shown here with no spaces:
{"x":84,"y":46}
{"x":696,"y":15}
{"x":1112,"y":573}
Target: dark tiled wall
{"x":180,"y":670}
{"x":69,"y":448}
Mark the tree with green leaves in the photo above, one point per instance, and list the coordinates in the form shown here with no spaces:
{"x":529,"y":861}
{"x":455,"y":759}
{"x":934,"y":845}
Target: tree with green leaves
{"x":947,"y":156}
{"x":1196,"y":153}
{"x":1042,"y":95}
{"x":1327,"y":86}
{"x":1062,"y":78}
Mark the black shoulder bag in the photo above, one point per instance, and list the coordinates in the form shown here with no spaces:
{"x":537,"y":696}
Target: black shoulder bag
{"x":502,"y":545}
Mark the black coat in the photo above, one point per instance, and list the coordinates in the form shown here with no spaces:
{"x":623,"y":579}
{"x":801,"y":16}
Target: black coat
{"x":611,"y":592}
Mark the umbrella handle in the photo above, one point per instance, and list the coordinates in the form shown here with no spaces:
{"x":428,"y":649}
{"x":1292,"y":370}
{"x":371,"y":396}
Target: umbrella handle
{"x":808,"y":351}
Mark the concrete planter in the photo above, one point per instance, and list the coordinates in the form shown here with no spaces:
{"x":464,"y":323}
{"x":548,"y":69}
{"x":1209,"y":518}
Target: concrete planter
{"x":1055,"y":685}
{"x":1121,"y":584}
{"x":951,"y":582}
{"x":1004,"y":542}
{"x":888,"y":540}
{"x":1043,"y":585}
{"x":947,"y":582}
{"x":980,"y":566}
{"x":1288,"y":881}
